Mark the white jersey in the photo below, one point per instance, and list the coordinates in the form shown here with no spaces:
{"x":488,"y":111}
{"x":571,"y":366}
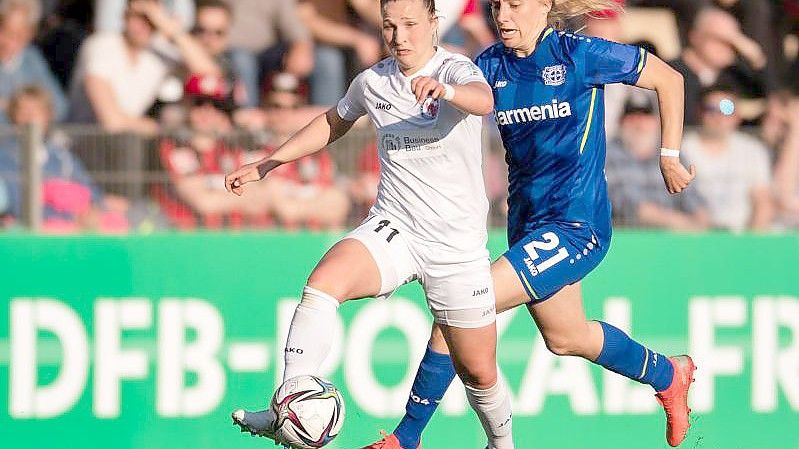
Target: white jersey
{"x":431,"y":179}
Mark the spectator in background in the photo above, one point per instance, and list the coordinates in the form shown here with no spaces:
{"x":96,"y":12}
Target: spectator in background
{"x":634,"y":180}
{"x":784,"y":137}
{"x":328,"y":23}
{"x":463,"y":30}
{"x":685,"y":11}
{"x":198,"y":162}
{"x":787,"y":23}
{"x":715,"y":42}
{"x":118,"y":76}
{"x":262,"y":121}
{"x":363,"y":186}
{"x":757,"y":21}
{"x":109,"y":15}
{"x":49,"y":6}
{"x":478,"y":32}
{"x":733,"y":168}
{"x":305,"y":193}
{"x":72,"y":201}
{"x":64,"y":28}
{"x":110,"y":18}
{"x":20,"y":62}
{"x":607,"y":25}
{"x":4,"y":201}
{"x":212,"y":31}
{"x":267,"y":36}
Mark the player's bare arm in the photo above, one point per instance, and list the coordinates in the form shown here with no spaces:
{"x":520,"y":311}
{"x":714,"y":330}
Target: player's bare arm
{"x":474,"y":97}
{"x":670,"y":87}
{"x":321,"y":131}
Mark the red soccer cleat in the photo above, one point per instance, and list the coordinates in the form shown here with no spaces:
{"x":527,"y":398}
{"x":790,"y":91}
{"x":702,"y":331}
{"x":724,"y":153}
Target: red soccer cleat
{"x":675,"y":399}
{"x":387,"y":442}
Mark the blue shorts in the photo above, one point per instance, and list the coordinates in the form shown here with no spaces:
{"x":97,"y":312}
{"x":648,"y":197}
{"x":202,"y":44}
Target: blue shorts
{"x":555,"y":255}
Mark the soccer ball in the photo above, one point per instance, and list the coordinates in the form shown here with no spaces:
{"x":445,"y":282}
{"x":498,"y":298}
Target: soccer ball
{"x":309,"y":411}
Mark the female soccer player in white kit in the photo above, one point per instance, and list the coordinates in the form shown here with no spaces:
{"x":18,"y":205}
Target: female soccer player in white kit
{"x":429,"y":219}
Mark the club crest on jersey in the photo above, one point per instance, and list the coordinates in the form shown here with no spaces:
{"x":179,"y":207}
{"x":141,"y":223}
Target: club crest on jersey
{"x":390,"y":142}
{"x":430,"y":108}
{"x":554,"y":75}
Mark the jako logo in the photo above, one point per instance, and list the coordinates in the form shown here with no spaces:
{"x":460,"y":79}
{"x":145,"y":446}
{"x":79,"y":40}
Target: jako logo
{"x":500,"y":84}
{"x":383,"y":106}
{"x":294,"y":350}
{"x":534,"y":113}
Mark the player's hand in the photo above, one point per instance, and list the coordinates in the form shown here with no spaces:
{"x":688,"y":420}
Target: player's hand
{"x":675,"y":175}
{"x":424,"y":86}
{"x":234,"y":182}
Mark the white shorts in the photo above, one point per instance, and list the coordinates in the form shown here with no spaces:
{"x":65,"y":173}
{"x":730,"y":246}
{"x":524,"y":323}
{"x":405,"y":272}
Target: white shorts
{"x":458,"y":294}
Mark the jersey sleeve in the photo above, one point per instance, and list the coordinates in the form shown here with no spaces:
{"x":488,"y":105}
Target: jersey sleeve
{"x":609,"y":62}
{"x":353,"y":105}
{"x":463,"y":71}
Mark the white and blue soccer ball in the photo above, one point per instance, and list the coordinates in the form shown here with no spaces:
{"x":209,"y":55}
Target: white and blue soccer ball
{"x":309,"y":411}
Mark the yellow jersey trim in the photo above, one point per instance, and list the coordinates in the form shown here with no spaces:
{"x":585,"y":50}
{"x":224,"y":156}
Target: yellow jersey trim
{"x":590,"y":119}
{"x":641,"y":60}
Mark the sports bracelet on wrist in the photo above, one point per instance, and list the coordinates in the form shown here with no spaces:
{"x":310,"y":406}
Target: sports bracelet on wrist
{"x":449,"y":92}
{"x":667,"y":152}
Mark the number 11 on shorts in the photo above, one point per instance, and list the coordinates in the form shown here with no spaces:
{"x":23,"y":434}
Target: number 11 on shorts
{"x":551,"y":241}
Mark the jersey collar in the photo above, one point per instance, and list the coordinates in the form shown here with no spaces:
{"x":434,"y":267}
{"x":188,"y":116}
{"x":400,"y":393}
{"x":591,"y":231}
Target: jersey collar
{"x":541,"y":36}
{"x":544,"y":33}
{"x":426,"y":69}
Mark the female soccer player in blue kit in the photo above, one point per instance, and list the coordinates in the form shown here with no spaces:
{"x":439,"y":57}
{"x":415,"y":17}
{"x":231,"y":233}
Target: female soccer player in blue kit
{"x":549,"y":106}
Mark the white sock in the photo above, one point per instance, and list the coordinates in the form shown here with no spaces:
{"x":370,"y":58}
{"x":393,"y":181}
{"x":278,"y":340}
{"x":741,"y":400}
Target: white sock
{"x":493,"y":409}
{"x":311,"y":333}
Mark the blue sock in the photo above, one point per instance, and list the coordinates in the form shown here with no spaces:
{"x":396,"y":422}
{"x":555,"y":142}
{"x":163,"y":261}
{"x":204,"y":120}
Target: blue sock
{"x":432,"y":380}
{"x":621,"y":354}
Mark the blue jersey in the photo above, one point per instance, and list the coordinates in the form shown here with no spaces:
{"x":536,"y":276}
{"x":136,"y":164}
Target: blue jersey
{"x":550,"y":112}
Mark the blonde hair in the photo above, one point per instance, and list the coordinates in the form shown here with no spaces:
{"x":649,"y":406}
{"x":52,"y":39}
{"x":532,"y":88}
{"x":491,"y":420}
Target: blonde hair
{"x":563,"y":10}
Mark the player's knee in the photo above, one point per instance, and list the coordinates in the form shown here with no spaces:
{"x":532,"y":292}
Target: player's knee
{"x":481,"y":376}
{"x":326,"y":283}
{"x":564,"y":344}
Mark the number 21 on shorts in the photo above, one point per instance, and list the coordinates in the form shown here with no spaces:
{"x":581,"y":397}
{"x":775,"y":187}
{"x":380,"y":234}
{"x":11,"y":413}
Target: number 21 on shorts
{"x":384,"y":224}
{"x":551,"y":242}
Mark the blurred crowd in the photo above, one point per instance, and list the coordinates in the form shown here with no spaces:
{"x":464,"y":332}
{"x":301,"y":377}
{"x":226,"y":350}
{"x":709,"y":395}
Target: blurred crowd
{"x":187,"y":73}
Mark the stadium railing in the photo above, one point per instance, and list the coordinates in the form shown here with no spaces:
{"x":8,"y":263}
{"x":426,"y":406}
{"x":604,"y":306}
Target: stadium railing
{"x":132,"y":168}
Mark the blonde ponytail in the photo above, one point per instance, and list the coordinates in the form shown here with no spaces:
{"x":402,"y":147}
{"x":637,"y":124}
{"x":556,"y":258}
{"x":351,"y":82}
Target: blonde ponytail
{"x":563,"y":10}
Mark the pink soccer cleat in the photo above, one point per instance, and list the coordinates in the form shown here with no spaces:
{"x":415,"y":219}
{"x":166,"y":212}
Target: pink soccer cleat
{"x":389,"y":441}
{"x":675,"y":399}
